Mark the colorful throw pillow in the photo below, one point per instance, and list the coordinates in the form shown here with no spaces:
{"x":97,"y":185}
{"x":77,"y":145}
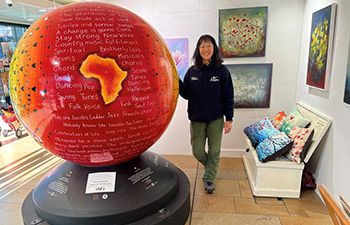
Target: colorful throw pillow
{"x":251,"y":132}
{"x":260,"y":130}
{"x":302,"y":139}
{"x":273,"y":147}
{"x":266,"y":129}
{"x":279,"y":119}
{"x":294,"y":119}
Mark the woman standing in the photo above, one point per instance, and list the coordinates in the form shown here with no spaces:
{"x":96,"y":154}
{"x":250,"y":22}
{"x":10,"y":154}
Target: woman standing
{"x":208,"y":88}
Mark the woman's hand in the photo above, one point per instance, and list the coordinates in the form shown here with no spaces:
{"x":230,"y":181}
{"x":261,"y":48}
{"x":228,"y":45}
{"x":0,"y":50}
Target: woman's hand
{"x":227,"y":127}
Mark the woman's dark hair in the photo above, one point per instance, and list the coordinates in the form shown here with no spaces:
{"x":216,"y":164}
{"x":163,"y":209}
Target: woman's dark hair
{"x":215,"y":59}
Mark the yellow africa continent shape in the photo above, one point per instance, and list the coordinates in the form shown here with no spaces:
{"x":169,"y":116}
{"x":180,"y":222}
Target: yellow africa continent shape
{"x":107,"y":71}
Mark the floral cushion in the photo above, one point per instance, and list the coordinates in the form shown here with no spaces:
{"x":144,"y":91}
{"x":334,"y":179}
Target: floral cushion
{"x":260,"y":130}
{"x":273,"y":147}
{"x":294,"y":119}
{"x":302,"y":139}
{"x":279,"y":119}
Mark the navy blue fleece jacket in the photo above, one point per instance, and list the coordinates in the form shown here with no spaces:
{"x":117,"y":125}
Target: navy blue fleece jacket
{"x":209,"y":91}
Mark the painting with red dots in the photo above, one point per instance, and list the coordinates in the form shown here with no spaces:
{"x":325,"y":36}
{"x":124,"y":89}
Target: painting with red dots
{"x":242,"y":32}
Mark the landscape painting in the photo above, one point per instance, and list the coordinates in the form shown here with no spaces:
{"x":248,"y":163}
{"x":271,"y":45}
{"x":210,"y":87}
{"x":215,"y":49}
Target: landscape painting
{"x":347,"y":82}
{"x":242,"y":32}
{"x":252,"y":85}
{"x":321,"y":41}
{"x":178,"y":48}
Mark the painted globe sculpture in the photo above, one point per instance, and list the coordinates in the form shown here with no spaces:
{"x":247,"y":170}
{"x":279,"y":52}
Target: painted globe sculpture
{"x":93,"y":83}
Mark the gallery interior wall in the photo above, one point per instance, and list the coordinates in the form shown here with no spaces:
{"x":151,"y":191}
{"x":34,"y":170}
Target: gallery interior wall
{"x":190,"y":19}
{"x":288,"y":33}
{"x":331,"y":159}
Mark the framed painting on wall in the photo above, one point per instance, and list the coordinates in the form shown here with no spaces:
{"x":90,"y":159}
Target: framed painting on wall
{"x":347,"y":82}
{"x":242,"y":32}
{"x":178,"y":48}
{"x":320,"y":50}
{"x":252,"y":85}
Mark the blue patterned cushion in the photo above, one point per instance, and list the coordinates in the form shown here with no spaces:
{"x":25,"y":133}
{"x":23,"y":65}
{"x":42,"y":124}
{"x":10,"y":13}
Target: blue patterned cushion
{"x":266,"y":129}
{"x":260,"y":130}
{"x":274,"y":146}
{"x":251,"y":132}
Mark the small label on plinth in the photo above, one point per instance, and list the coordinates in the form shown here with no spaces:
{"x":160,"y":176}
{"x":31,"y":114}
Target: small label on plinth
{"x":59,"y":186}
{"x":100,"y":182}
{"x":140,"y":175}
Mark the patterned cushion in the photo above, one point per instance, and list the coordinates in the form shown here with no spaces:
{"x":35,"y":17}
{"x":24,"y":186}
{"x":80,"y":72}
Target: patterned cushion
{"x":251,"y":132}
{"x":294,"y":119}
{"x":266,"y":129}
{"x":260,"y":130}
{"x":273,"y":147}
{"x":302,"y":139}
{"x":279,"y":119}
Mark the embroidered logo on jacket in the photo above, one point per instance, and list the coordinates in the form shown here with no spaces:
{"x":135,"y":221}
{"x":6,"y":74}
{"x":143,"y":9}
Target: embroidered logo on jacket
{"x":194,"y":78}
{"x":214,"y":79}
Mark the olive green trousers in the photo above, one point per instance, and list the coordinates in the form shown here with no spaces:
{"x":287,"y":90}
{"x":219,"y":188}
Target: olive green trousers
{"x":211,"y":131}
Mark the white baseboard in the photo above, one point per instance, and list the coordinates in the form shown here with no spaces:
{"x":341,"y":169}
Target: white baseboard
{"x":225,"y":152}
{"x":234,"y":153}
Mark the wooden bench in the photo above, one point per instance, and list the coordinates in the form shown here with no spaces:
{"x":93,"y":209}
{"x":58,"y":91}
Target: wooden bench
{"x":282,"y":178}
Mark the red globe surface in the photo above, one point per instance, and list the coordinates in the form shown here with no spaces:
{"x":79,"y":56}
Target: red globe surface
{"x":93,"y":83}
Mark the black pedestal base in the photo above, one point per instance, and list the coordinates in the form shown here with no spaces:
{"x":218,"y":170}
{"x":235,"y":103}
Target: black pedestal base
{"x":148,"y":190}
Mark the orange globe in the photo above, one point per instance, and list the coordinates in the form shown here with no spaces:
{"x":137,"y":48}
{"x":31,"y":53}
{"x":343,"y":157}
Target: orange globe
{"x":93,"y":83}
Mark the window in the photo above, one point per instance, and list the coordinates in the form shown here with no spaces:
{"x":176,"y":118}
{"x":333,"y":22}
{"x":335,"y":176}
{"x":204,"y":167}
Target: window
{"x":9,"y":37}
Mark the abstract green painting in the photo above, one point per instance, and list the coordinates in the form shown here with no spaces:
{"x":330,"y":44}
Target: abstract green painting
{"x":242,"y":32}
{"x":347,"y":82}
{"x":252,"y":84}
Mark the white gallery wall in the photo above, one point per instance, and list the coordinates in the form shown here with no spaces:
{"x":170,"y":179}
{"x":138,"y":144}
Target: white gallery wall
{"x":331,"y":160}
{"x":288,"y":33}
{"x":191,"y":19}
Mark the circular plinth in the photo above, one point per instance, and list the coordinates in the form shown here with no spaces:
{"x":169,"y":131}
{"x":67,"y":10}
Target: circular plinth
{"x":146,"y":190}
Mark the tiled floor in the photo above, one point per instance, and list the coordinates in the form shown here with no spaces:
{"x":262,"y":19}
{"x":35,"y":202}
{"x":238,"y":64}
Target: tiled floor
{"x":23,"y":163}
{"x":233,"y":203}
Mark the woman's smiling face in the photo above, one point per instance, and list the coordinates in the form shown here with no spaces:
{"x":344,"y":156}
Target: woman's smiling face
{"x":206,"y":50}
